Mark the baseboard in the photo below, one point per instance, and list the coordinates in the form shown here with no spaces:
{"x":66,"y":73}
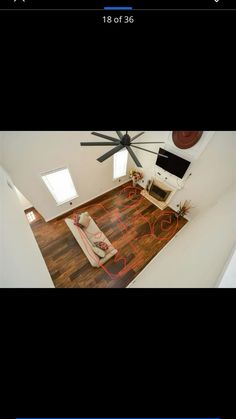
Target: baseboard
{"x":90,"y":201}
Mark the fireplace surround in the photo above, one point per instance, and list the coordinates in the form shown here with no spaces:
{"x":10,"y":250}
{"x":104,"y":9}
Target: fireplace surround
{"x":159,"y":193}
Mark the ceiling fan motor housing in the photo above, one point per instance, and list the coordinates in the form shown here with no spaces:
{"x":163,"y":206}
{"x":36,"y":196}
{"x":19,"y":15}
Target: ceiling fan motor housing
{"x":126,"y":140}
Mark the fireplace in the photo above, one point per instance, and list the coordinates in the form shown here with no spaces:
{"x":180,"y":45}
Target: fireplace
{"x":159,"y":193}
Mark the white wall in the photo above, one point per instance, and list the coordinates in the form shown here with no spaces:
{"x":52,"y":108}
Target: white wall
{"x":25,"y":203}
{"x":1,"y":216}
{"x":1,"y":146}
{"x":212,"y":172}
{"x":227,"y":278}
{"x":28,"y":154}
{"x":22,"y":264}
{"x":198,"y":253}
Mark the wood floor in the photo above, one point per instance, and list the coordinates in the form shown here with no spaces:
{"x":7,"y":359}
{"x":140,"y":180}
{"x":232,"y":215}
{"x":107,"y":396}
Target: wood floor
{"x":135,"y":227}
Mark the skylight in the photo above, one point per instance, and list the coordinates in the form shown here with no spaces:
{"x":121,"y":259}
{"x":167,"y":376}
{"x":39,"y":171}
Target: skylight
{"x":60,"y":184}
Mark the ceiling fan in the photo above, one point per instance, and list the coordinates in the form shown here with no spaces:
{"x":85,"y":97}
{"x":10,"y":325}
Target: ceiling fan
{"x":123,"y":141}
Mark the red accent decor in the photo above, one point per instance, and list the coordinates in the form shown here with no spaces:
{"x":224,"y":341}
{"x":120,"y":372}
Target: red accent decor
{"x":186,"y":139}
{"x":102,"y":245}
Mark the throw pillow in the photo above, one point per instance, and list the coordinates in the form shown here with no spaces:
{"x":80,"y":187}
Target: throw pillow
{"x":76,"y":218}
{"x":84,"y":219}
{"x":99,"y":252}
{"x":102,"y":245}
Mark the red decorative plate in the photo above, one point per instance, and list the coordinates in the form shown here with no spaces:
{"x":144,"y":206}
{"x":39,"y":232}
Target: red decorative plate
{"x":186,"y":139}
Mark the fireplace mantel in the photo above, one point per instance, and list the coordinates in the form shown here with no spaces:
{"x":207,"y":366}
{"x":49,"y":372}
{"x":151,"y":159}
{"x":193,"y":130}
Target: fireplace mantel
{"x":160,"y":204}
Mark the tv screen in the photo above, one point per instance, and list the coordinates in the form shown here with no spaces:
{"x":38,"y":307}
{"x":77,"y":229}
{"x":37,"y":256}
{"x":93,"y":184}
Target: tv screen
{"x":172,"y":164}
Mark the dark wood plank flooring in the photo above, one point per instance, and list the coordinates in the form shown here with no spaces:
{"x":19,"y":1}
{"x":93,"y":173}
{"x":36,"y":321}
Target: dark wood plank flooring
{"x":135,"y":227}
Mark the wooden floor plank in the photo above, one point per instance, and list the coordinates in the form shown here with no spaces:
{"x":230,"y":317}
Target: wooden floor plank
{"x":135,"y":227}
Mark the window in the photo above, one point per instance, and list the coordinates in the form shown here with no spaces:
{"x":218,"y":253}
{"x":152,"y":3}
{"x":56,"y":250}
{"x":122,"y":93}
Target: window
{"x":31,"y":216}
{"x":60,"y":184}
{"x":120,"y":164}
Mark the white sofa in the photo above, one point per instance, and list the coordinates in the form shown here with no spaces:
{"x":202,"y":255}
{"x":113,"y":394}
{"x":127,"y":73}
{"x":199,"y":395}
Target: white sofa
{"x":86,"y":236}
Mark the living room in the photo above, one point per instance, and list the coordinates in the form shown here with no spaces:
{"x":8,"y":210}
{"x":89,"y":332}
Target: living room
{"x":152,"y":243}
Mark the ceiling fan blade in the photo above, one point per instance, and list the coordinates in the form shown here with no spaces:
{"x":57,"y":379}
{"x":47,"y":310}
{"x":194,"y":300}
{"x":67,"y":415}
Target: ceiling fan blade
{"x":107,"y":137}
{"x":120,"y":135}
{"x":162,"y":155}
{"x":110,"y":153}
{"x":136,"y":136}
{"x":100,"y":143}
{"x":137,"y":162}
{"x":153,"y":142}
{"x":149,"y":151}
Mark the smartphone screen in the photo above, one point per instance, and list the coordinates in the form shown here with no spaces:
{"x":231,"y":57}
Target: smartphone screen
{"x":118,"y":175}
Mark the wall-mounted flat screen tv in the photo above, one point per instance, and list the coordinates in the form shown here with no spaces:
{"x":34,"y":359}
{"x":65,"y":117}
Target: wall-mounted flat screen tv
{"x":172,"y":163}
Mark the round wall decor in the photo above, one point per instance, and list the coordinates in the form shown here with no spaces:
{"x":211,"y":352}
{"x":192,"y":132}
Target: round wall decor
{"x":186,"y":139}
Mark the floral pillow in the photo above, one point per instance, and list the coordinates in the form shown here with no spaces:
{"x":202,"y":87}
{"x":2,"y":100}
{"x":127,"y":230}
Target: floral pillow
{"x":102,"y":245}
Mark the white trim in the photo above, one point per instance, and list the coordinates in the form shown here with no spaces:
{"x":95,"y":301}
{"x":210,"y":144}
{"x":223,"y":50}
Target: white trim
{"x":85,"y":202}
{"x":67,"y":200}
{"x":49,"y":172}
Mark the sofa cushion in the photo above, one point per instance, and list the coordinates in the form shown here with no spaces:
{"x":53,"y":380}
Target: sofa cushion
{"x":84,"y":219}
{"x":99,"y":252}
{"x":76,"y":218}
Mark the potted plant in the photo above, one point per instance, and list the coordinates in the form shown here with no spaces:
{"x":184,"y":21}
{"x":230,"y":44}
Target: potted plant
{"x":183,"y":209}
{"x":135,"y":176}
